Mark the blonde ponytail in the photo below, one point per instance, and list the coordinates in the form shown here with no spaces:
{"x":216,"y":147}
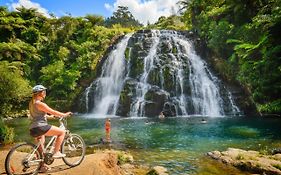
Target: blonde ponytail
{"x":31,"y":105}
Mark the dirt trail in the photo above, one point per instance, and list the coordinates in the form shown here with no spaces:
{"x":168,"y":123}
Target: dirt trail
{"x":100,"y":163}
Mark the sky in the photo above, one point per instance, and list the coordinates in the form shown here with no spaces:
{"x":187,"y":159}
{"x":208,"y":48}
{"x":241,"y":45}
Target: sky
{"x":143,"y":10}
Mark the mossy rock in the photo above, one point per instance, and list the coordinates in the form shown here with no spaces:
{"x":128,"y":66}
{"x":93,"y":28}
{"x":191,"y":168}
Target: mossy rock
{"x":154,"y":77}
{"x":166,"y":47}
{"x":126,"y":98}
{"x":169,"y":78}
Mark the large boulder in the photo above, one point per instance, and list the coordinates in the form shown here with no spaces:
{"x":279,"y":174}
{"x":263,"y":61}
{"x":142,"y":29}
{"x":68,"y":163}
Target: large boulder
{"x":251,"y":161}
{"x":155,"y":99}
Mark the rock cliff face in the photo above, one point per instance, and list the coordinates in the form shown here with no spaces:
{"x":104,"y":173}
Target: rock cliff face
{"x":152,"y":71}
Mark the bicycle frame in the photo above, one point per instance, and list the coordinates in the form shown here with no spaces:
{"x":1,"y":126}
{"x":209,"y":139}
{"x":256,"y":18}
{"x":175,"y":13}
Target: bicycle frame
{"x":51,"y":142}
{"x":33,"y":157}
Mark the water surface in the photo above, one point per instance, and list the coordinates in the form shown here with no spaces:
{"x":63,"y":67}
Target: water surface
{"x":180,"y":144}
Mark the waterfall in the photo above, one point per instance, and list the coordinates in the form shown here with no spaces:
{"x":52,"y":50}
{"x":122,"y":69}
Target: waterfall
{"x":234,"y":109}
{"x":205,"y":95}
{"x":180,"y":98}
{"x":143,"y":86}
{"x":160,"y":72}
{"x":109,"y":84}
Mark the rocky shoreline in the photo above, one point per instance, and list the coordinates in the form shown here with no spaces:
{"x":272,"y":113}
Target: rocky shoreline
{"x":251,"y":161}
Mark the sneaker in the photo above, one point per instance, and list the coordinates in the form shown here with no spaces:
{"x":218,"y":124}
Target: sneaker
{"x":58,"y":155}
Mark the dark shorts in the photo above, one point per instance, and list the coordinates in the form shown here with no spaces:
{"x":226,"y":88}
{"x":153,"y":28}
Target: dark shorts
{"x":38,"y":131}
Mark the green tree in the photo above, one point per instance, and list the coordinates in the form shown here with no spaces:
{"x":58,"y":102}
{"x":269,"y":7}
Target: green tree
{"x":30,"y":35}
{"x":172,"y":22}
{"x":123,"y":17}
{"x":95,"y":19}
{"x":14,"y":89}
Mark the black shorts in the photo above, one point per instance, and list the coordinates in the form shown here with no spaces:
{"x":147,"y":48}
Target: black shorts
{"x":38,"y":131}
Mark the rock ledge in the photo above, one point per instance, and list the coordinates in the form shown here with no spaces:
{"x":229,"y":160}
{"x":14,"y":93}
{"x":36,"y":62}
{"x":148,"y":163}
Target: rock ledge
{"x":251,"y":161}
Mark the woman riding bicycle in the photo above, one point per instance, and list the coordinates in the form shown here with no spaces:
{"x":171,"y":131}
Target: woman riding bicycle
{"x":39,"y":127}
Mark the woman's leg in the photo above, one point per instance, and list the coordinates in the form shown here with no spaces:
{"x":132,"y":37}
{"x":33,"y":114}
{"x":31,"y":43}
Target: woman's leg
{"x":60,"y":133}
{"x":40,"y":139}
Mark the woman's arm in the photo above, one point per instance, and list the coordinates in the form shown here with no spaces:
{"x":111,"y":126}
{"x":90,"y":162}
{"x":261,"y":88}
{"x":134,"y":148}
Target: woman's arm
{"x":44,"y":107}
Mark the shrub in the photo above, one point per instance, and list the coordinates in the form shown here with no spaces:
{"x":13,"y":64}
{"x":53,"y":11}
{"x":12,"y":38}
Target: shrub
{"x":6,"y":134}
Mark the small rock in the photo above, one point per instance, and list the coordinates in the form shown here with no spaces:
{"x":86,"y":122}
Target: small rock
{"x":214,"y":154}
{"x":277,"y":157}
{"x":158,"y":170}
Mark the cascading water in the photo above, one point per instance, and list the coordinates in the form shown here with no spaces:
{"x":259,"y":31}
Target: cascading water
{"x":161,"y":73}
{"x":109,"y":84}
{"x":143,"y":86}
{"x":205,"y":95}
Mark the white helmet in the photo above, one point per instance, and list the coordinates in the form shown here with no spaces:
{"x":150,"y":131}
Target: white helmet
{"x":38,"y":88}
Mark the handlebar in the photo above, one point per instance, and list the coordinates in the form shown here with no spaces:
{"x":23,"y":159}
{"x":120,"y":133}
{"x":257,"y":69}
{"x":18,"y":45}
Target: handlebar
{"x":62,"y":121}
{"x":61,"y":118}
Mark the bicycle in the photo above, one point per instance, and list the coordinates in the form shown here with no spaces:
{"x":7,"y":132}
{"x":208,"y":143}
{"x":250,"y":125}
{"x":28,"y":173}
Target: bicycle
{"x":25,"y":158}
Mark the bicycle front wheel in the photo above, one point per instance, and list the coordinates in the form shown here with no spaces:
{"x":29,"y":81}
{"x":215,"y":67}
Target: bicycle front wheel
{"x":74,"y":147}
{"x":23,"y":159}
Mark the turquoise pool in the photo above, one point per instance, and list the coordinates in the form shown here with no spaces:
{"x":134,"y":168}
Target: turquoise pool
{"x":180,"y":143}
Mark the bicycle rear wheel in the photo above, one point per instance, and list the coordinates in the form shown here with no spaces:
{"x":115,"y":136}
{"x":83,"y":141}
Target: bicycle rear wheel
{"x":23,"y":159}
{"x":74,"y":147}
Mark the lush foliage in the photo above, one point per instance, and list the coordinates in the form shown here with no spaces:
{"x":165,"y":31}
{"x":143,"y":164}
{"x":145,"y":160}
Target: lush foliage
{"x":61,"y":54}
{"x":6,"y":134}
{"x":14,"y":89}
{"x":246,"y":34}
{"x":173,"y":22}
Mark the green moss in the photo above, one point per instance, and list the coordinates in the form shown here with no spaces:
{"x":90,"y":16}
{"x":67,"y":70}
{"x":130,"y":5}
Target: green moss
{"x":240,"y":157}
{"x":175,"y":50}
{"x":168,"y":78}
{"x":278,"y":166}
{"x":127,"y":54}
{"x":123,"y":158}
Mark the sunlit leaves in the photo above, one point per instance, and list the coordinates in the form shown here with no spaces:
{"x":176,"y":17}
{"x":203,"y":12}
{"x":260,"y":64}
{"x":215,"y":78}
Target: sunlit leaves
{"x":244,"y":50}
{"x":59,"y":79}
{"x":172,"y":22}
{"x":14,"y":89}
{"x":18,"y":50}
{"x":95,"y":20}
{"x":63,"y":53}
{"x":30,"y":35}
